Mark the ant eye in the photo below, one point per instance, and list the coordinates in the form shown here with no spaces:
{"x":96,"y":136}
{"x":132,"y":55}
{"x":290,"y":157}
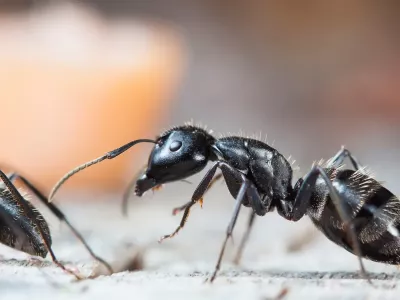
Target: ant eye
{"x":175,"y":146}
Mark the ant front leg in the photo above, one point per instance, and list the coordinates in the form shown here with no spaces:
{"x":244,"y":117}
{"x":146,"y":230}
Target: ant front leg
{"x":205,"y":184}
{"x":247,"y":189}
{"x":198,"y":194}
{"x":178,"y":209}
{"x":302,"y":201}
{"x":189,"y":204}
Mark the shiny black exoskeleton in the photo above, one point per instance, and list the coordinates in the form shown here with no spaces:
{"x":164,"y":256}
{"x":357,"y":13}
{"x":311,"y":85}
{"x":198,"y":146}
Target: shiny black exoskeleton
{"x":348,"y":206}
{"x":23,"y":227}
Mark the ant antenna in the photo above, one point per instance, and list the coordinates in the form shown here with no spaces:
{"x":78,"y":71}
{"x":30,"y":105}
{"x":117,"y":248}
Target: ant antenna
{"x":109,"y":155}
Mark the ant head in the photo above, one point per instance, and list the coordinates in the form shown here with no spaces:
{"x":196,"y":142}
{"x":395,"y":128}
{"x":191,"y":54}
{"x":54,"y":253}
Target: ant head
{"x":179,"y":153}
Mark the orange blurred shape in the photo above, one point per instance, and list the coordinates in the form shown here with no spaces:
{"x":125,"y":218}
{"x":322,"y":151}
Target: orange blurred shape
{"x":72,"y":89}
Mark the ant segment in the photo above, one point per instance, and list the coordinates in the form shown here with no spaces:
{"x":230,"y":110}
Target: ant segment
{"x":351,"y":208}
{"x":23,"y":227}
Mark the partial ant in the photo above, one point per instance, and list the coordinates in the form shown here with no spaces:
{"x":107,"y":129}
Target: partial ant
{"x":23,"y":227}
{"x":350,"y":207}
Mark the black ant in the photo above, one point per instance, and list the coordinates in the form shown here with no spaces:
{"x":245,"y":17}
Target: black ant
{"x":23,"y":228}
{"x":350,"y":207}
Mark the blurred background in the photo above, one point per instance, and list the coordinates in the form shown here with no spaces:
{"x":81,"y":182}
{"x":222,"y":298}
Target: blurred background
{"x":79,"y":78}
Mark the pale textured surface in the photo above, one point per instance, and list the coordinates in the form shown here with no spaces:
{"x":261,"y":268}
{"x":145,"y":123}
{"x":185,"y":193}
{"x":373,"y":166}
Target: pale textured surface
{"x":177,"y":268}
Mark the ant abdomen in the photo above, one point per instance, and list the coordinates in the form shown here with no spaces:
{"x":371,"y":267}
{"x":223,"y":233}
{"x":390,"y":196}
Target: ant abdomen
{"x":31,"y":240}
{"x":374,"y":210}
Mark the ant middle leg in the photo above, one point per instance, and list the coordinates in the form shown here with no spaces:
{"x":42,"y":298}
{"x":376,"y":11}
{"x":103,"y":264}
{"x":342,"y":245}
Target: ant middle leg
{"x":245,"y":238}
{"x":232,"y":222}
{"x":249,"y":191}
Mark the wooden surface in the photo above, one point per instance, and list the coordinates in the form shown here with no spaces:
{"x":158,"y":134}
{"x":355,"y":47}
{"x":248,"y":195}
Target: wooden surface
{"x":176,"y":269}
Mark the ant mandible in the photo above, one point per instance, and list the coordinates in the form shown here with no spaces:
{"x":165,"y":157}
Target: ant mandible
{"x":350,"y":207}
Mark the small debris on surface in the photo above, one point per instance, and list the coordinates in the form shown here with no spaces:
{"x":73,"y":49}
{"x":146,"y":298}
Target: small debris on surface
{"x":132,"y":260}
{"x":281,"y":295}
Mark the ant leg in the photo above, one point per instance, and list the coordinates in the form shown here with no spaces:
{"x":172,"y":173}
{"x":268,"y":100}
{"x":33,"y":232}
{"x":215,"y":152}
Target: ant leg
{"x":178,"y":209}
{"x":197,"y":196}
{"x":128,"y":191}
{"x":60,"y":215}
{"x":29,"y":213}
{"x":181,"y":225}
{"x":259,"y":208}
{"x":230,"y":174}
{"x":302,"y":200}
{"x":340,"y":157}
{"x":239,"y":200}
{"x":246,"y":190}
{"x":245,"y":238}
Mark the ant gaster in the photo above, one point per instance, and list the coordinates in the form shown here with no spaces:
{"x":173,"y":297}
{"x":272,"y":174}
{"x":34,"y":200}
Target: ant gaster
{"x":23,"y":228}
{"x":350,"y":207}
